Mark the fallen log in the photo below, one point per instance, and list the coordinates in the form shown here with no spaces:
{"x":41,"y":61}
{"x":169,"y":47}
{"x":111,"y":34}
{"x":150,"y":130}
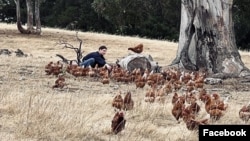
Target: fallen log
{"x":133,"y":61}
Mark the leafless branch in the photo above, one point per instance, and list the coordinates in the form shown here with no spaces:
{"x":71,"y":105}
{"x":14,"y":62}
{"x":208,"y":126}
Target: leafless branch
{"x":70,"y":46}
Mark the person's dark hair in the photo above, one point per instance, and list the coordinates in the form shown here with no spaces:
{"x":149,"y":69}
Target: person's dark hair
{"x":102,"y":47}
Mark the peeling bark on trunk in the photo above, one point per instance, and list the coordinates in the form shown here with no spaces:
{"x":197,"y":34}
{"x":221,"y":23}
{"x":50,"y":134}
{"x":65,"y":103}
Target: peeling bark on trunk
{"x":207,"y":39}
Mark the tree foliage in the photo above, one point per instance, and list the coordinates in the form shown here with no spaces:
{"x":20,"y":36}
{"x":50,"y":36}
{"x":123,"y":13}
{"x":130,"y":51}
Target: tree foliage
{"x":7,"y":11}
{"x":154,"y":19}
{"x":241,"y":14}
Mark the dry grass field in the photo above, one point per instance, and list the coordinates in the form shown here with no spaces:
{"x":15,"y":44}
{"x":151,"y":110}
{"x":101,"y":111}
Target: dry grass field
{"x":31,"y":110}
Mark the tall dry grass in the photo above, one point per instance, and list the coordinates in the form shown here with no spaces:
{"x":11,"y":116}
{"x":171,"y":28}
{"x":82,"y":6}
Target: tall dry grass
{"x":31,"y":110}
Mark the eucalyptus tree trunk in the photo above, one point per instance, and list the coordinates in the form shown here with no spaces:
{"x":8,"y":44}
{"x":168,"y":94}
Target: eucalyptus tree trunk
{"x":207,"y":39}
{"x":37,"y":17}
{"x":18,"y":17}
{"x":30,"y":25}
{"x":29,"y":15}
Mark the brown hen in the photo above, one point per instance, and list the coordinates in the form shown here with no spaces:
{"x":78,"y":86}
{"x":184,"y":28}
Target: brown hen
{"x":53,"y":68}
{"x":60,"y":82}
{"x":216,"y":114}
{"x":175,"y":98}
{"x":128,"y":102}
{"x":137,"y":49}
{"x":118,"y":101}
{"x":194,"y":124}
{"x":105,"y":77}
{"x":244,"y":113}
{"x":140,"y":82}
{"x":187,"y":114}
{"x":177,"y":109}
{"x":118,"y":122}
{"x":194,"y":107}
{"x":150,"y":94}
{"x":203,"y":94}
{"x":48,"y":68}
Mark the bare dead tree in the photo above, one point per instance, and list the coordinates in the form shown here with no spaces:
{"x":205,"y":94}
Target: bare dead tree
{"x":70,"y":46}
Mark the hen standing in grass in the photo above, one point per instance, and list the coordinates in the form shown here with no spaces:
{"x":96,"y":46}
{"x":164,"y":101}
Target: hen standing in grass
{"x":178,"y":106}
{"x":60,"y":82}
{"x":128,"y":102}
{"x":118,"y":101}
{"x":215,"y":107}
{"x":193,"y":124}
{"x":244,"y":113}
{"x":189,"y":118}
{"x":137,"y":49}
{"x":118,"y":122}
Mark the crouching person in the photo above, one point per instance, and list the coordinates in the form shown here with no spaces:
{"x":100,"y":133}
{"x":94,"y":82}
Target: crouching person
{"x":96,"y":58}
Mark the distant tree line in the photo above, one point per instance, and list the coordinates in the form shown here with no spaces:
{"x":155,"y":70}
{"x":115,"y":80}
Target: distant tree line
{"x":157,"y":19}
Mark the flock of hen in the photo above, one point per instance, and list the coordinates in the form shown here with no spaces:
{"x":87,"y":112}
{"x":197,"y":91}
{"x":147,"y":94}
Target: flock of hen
{"x":185,"y":106}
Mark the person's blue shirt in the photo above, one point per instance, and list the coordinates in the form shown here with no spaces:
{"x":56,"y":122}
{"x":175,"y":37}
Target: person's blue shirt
{"x":99,"y":59}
